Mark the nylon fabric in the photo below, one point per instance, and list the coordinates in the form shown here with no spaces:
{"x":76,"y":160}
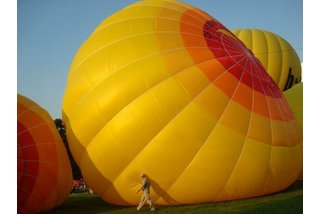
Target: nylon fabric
{"x":162,"y":88}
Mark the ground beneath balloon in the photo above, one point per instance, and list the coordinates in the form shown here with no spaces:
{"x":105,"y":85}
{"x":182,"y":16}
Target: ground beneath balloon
{"x":288,"y":201}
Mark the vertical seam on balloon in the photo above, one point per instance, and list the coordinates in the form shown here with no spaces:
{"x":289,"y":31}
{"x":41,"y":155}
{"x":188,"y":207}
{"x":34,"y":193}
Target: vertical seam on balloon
{"x":277,"y":100}
{"x":288,"y":112}
{"x":291,"y":110}
{"x":251,"y":40}
{"x":212,"y":131}
{"x":283,"y":121}
{"x":177,"y":115}
{"x":157,"y":39}
{"x":285,"y":127}
{"x":279,"y":77}
{"x":286,"y":106}
{"x":241,"y":32}
{"x":263,"y":88}
{"x":245,"y":139}
{"x":268,"y":53}
{"x":248,"y":127}
{"x":271,"y":145}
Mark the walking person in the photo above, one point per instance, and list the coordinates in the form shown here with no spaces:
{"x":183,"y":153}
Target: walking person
{"x":145,"y":187}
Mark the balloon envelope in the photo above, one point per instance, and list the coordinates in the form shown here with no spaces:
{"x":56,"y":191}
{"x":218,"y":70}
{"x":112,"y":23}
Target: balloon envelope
{"x":164,"y":89}
{"x":276,"y":55}
{"x":44,"y":171}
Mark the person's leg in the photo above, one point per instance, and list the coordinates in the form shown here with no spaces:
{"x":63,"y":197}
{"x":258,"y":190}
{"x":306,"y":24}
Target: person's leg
{"x":149,"y":201}
{"x":143,"y":199}
{"x":151,"y":205}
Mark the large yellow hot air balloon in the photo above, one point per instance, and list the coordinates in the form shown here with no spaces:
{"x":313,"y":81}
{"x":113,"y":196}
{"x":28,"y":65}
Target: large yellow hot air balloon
{"x":44,"y":171}
{"x":276,"y":55}
{"x":162,"y":88}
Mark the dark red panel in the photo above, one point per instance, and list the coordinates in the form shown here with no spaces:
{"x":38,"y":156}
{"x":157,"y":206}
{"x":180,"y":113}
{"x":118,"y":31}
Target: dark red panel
{"x":28,"y":165}
{"x":237,"y":59}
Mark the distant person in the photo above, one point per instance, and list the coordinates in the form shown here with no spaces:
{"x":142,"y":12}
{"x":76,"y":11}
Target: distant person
{"x":146,"y":193}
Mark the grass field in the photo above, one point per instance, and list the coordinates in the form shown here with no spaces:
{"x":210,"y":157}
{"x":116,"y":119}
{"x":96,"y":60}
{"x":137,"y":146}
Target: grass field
{"x":288,"y":201}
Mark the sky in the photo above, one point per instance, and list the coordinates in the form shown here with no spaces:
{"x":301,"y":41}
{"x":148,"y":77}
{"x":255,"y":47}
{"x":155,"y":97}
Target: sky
{"x":49,"y":33}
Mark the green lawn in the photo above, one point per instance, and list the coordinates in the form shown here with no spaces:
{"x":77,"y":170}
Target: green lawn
{"x":288,"y":201}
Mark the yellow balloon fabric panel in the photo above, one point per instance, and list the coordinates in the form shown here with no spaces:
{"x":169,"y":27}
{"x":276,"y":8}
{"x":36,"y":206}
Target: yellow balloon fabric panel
{"x":294,"y":96}
{"x":295,"y":99}
{"x":44,"y":173}
{"x":276,"y":55}
{"x":161,"y":87}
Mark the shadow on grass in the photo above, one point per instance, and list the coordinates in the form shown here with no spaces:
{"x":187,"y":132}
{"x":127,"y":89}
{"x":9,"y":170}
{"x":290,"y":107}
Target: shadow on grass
{"x":287,"y":201}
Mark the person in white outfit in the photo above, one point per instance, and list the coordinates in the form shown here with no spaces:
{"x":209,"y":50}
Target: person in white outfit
{"x":145,"y":187}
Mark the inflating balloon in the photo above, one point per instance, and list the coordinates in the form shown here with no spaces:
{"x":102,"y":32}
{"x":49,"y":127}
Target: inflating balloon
{"x":162,"y":88}
{"x":276,"y":55}
{"x":44,"y":172}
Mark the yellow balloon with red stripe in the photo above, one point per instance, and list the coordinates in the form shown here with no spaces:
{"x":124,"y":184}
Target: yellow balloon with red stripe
{"x":162,"y":88}
{"x":277,"y":56}
{"x":44,"y":173}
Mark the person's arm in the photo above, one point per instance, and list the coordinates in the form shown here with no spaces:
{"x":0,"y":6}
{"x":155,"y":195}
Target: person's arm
{"x":140,"y":189}
{"x":144,"y":182}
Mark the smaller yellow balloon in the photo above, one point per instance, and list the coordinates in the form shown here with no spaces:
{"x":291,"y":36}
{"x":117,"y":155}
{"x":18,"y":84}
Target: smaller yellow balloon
{"x":295,"y":99}
{"x":276,"y":55}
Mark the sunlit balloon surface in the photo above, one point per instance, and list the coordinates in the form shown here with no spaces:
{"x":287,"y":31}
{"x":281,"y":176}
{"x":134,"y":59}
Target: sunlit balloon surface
{"x":294,"y":96}
{"x":295,"y":99}
{"x":43,"y":172}
{"x":163,"y":88}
